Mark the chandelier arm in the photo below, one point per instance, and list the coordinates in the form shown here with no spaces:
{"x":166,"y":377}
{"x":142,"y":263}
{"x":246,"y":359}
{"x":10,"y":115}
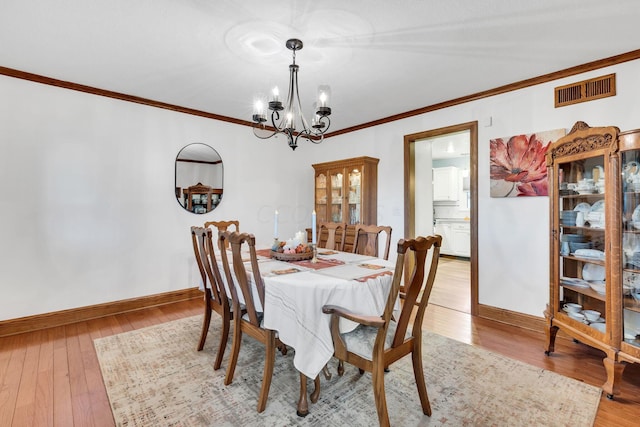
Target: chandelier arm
{"x":305,"y":125}
{"x":275,"y":116}
{"x":326,"y":124}
{"x":263,"y":137}
{"x":317,"y":140}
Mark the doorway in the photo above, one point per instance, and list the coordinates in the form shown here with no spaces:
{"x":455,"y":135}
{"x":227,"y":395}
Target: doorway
{"x":419,"y":209}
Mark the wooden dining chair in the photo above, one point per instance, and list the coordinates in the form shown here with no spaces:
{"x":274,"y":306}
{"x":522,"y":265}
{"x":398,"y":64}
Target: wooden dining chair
{"x":381,"y":340}
{"x":367,"y":238}
{"x":223,"y":226}
{"x":215,"y":296}
{"x":335,"y":234}
{"x":251,"y":322}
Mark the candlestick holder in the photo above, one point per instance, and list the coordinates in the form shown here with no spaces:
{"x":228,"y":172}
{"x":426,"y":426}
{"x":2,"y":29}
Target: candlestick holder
{"x":315,"y":252}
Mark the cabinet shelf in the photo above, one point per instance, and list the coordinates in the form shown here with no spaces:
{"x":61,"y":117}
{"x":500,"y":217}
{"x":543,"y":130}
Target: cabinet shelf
{"x":631,"y":304}
{"x":584,"y":227}
{"x":584,"y":260}
{"x":585,"y":291}
{"x":594,"y":196}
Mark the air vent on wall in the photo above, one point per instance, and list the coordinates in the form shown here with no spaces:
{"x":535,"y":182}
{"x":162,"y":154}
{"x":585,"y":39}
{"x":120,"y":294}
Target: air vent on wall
{"x":586,"y":90}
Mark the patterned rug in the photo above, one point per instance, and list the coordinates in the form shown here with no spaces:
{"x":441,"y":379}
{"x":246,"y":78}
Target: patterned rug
{"x":155,"y":377}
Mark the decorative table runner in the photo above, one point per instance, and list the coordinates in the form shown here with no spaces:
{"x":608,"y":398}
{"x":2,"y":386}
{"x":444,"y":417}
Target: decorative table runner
{"x":320,"y":264}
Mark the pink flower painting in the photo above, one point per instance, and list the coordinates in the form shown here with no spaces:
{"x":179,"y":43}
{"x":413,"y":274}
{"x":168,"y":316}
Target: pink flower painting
{"x":518,"y":166}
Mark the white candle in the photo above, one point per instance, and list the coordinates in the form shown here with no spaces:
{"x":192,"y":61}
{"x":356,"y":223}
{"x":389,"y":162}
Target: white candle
{"x":275,"y":225}
{"x":313,"y":227}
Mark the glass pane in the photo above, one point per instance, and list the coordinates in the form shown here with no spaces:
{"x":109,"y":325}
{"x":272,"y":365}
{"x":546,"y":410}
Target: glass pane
{"x":321,"y":198}
{"x":581,"y":220}
{"x":336,"y":196}
{"x":355,"y":200}
{"x":631,"y":245}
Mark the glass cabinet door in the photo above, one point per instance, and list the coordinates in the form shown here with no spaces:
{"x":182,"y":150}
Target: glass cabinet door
{"x":630,"y":162}
{"x":355,"y":200}
{"x":336,"y":195}
{"x":581,"y":222}
{"x":321,"y":197}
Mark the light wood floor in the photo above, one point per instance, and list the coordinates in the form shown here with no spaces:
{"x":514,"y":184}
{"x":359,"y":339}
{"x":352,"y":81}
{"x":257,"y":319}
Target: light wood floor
{"x":452,"y":287}
{"x":52,"y":378}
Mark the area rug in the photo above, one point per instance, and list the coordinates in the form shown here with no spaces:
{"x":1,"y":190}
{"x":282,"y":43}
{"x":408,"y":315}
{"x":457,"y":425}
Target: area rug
{"x":155,"y":377}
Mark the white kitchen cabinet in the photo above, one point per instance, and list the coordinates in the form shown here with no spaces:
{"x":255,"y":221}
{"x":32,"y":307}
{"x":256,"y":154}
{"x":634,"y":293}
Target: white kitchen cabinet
{"x":461,"y":235}
{"x":456,"y":237}
{"x":444,"y":229}
{"x":445,"y":184}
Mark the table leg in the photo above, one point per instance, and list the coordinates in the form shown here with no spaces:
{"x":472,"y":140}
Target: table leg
{"x":303,"y":404}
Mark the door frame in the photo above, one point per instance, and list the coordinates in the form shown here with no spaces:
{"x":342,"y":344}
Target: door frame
{"x":409,"y":191}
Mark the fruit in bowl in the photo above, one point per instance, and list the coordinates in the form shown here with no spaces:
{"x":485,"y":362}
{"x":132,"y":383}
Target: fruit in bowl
{"x":289,"y":248}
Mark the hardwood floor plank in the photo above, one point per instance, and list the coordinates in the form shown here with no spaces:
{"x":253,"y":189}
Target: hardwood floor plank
{"x":62,"y":399}
{"x":26,"y":394}
{"x":43,"y":411}
{"x":100,"y":408}
{"x":80,"y":396}
{"x":8,"y":383}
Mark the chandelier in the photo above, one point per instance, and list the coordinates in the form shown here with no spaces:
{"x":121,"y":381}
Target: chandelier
{"x":285,"y":118}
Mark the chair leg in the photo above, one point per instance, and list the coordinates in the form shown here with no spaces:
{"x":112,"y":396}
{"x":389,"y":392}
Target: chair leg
{"x":268,"y":370}
{"x":235,"y":350}
{"x":340,"y":368}
{"x":316,"y":390}
{"x":377,"y":377}
{"x":206,"y":321}
{"x":224,"y":337}
{"x":416,"y":356}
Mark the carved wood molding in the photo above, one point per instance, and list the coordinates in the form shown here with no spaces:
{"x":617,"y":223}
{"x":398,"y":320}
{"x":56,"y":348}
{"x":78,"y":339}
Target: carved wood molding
{"x":583,"y":138}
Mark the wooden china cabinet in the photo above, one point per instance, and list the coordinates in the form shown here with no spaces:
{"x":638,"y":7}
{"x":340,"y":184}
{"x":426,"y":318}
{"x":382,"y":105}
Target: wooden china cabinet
{"x":595,"y":244}
{"x":347,"y":191}
{"x":201,"y":198}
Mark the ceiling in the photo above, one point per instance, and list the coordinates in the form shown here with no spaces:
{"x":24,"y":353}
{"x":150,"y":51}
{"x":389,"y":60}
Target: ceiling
{"x":381,"y":58}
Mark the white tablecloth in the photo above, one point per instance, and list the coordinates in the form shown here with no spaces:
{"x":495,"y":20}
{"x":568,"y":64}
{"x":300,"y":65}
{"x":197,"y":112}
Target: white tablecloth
{"x":293,"y":307}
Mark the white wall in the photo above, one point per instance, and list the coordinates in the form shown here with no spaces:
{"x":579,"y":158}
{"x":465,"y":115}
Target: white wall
{"x":513,"y":233}
{"x":89,"y":213}
{"x":90,"y":216}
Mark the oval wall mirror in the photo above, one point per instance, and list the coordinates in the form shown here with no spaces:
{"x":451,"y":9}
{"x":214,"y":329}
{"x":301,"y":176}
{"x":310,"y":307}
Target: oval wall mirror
{"x":199,"y":176}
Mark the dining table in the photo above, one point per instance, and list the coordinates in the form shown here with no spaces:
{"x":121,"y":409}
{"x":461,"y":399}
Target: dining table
{"x":296,"y":291}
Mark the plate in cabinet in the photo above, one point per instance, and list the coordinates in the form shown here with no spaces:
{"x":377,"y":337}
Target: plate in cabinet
{"x":599,"y":207}
{"x":593,"y":272}
{"x":583,"y":207}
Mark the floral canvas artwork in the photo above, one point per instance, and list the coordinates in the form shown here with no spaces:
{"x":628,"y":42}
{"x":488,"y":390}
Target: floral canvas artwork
{"x":517,"y":164}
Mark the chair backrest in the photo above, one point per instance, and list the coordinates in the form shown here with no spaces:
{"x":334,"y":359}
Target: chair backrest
{"x":239,"y":280}
{"x":335,"y":232}
{"x":203,"y":249}
{"x":367,"y":237}
{"x":223,"y":225}
{"x":418,"y":288}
